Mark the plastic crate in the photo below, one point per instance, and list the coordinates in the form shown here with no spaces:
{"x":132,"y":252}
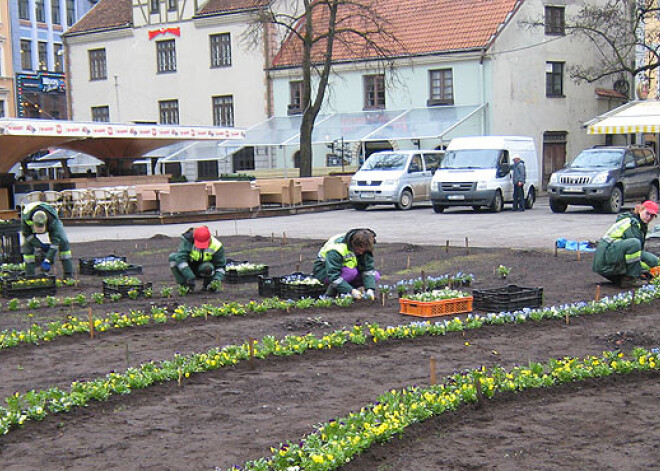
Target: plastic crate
{"x":266,"y":287}
{"x":289,"y":290}
{"x":232,"y":277}
{"x":441,"y":307}
{"x":86,"y":264}
{"x":10,"y":242}
{"x":130,"y":270}
{"x":507,"y":298}
{"x":655,"y":271}
{"x":109,"y":290}
{"x":21,"y":287}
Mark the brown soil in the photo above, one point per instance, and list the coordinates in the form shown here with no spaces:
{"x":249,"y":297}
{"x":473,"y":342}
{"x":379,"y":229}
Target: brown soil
{"x":236,"y":414}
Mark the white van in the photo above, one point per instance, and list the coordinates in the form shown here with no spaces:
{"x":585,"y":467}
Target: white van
{"x":394,"y":177}
{"x":476,"y":171}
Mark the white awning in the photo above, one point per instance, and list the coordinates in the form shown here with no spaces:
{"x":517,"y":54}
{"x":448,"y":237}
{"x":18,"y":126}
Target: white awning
{"x":633,"y":117}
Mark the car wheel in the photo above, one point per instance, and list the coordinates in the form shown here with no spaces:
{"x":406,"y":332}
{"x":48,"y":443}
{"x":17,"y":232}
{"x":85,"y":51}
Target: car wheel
{"x":360,"y":206}
{"x":613,"y":204}
{"x":558,"y":206}
{"x":496,"y":205}
{"x":405,"y":200}
{"x":531,"y":198}
{"x":653,"y":193}
{"x":438,"y":209}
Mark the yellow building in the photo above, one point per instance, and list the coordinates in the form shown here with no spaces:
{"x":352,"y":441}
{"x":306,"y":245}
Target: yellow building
{"x":7,"y":92}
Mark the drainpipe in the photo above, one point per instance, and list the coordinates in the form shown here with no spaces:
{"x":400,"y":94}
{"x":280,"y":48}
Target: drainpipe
{"x":482,"y":91}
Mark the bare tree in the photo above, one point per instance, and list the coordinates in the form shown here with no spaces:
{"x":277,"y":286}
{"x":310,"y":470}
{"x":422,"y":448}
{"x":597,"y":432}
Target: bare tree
{"x":621,"y":31}
{"x":316,"y":33}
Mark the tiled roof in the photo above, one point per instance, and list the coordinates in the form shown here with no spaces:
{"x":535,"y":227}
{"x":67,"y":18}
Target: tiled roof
{"x":222,"y":6}
{"x":425,"y":27}
{"x":106,"y":14}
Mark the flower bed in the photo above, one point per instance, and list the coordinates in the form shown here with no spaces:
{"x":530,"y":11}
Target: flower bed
{"x":28,"y":287}
{"x":435,"y":303}
{"x":244,"y":272}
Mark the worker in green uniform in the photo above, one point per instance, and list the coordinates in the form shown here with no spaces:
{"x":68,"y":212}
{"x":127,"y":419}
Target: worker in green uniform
{"x":620,"y":256}
{"x":346,"y":263}
{"x":200,"y":255}
{"x":41,"y":218}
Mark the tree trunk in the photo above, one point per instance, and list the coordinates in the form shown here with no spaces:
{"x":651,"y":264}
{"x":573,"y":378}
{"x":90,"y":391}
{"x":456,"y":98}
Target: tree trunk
{"x":306,"y":156}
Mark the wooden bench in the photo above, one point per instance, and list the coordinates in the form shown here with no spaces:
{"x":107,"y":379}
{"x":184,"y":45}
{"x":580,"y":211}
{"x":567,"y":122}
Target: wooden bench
{"x":235,"y":195}
{"x":148,"y":196}
{"x":283,"y":191}
{"x":321,"y":188}
{"x":184,"y":198}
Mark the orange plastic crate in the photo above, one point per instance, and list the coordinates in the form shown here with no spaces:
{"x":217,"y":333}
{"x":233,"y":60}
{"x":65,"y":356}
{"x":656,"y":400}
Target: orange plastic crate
{"x":442,"y":307}
{"x":655,"y":271}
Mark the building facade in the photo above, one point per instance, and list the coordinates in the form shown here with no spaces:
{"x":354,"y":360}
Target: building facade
{"x":38,"y":54}
{"x":6,"y":69}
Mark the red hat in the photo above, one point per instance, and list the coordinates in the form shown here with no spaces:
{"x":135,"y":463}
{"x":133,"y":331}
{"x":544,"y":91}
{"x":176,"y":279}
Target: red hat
{"x":650,"y":206}
{"x":202,"y":237}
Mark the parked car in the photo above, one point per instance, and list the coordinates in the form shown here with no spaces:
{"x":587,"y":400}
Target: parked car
{"x":476,"y":171}
{"x":604,"y":177}
{"x":394,"y":177}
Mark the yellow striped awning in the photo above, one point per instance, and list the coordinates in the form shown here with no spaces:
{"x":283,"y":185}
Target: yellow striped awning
{"x":639,"y":117}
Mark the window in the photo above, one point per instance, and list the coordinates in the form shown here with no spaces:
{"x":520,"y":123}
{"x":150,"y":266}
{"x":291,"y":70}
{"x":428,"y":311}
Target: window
{"x":172,"y":5}
{"x":441,"y":90}
{"x":416,"y":164}
{"x":26,"y":54}
{"x":554,"y":20}
{"x":374,"y":91}
{"x":40,"y":11}
{"x":2,"y":108}
{"x":24,"y":9}
{"x":223,"y":111}
{"x":70,"y":12}
{"x":55,"y":12}
{"x":155,"y":7}
{"x":166,"y":52}
{"x":97,"y":65}
{"x":220,"y":50}
{"x":169,"y":111}
{"x":58,"y":53}
{"x":554,"y":79}
{"x":295,"y":97}
{"x":101,"y":114}
{"x":207,"y":170}
{"x":42,"y":54}
{"x":243,"y":159}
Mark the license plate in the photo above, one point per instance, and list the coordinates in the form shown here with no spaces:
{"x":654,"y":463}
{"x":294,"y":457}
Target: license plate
{"x":573,"y":189}
{"x":456,"y":197}
{"x":366,"y":195}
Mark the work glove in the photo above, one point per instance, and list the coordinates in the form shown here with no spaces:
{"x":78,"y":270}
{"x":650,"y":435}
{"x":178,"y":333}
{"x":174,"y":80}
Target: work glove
{"x":356,"y":294}
{"x":45,"y":247}
{"x":369,"y":294}
{"x":45,"y":265}
{"x":190,"y":284}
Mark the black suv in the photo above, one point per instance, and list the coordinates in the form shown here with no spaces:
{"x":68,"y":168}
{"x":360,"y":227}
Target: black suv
{"x":604,"y":176}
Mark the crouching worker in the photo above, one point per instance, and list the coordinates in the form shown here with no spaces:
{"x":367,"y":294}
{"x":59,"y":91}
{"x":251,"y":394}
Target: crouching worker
{"x":346,"y":263}
{"x":200,"y":255}
{"x":42,"y":218}
{"x":620,"y":256}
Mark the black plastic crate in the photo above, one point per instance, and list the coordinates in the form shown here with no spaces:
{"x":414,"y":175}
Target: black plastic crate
{"x":288,"y":290}
{"x":86,"y":264}
{"x":10,"y":242}
{"x":29,"y":286}
{"x":507,"y":298}
{"x":267,"y":287}
{"x":232,"y":277}
{"x":109,"y":290}
{"x":130,"y":270}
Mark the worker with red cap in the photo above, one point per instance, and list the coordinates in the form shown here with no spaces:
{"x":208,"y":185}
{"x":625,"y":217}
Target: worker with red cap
{"x":200,"y":255}
{"x":620,"y":256}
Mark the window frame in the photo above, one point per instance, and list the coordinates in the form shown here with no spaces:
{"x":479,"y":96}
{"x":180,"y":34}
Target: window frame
{"x":374,"y":91}
{"x":223,"y":111}
{"x":26,"y":54}
{"x":555,"y":20}
{"x":295,"y":97}
{"x":40,"y":11}
{"x":70,"y":12}
{"x":172,"y":5}
{"x":55,"y":16}
{"x":154,"y":7}
{"x":166,"y":56}
{"x":42,"y":55}
{"x":221,"y":53}
{"x":441,"y":88}
{"x":24,"y":10}
{"x":168,"y":111}
{"x":100,"y":112}
{"x":98,"y":67}
{"x":58,"y":62}
{"x":554,"y":77}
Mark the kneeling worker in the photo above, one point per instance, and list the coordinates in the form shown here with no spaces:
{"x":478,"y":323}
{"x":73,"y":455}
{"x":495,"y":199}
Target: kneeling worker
{"x":200,"y":255}
{"x":346,"y":262}
{"x":42,"y":218}
{"x":620,"y":256}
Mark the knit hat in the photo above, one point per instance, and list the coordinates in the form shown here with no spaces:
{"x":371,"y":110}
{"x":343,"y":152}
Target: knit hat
{"x":202,"y":237}
{"x":40,"y":219}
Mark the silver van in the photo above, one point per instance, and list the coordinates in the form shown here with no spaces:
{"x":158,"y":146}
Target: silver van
{"x":394,"y":177}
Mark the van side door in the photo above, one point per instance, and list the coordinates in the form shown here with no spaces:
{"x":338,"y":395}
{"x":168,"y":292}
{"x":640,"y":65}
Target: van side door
{"x":432,"y":162}
{"x":417,"y":178}
{"x":630,"y":176}
{"x":504,"y":180}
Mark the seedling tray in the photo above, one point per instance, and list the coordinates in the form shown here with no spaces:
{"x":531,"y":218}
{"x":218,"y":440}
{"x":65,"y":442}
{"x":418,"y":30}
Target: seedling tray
{"x":508,"y":298}
{"x":86,"y":264}
{"x":29,"y":286}
{"x":109,"y":290}
{"x":441,"y":307}
{"x":266,"y":287}
{"x":288,"y":290}
{"x":130,"y":270}
{"x":233,"y":277}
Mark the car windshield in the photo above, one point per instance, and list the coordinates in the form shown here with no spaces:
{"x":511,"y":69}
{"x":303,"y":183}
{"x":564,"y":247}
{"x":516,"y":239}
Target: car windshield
{"x":471,"y":158}
{"x":597,"y":158}
{"x":385,"y":162}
